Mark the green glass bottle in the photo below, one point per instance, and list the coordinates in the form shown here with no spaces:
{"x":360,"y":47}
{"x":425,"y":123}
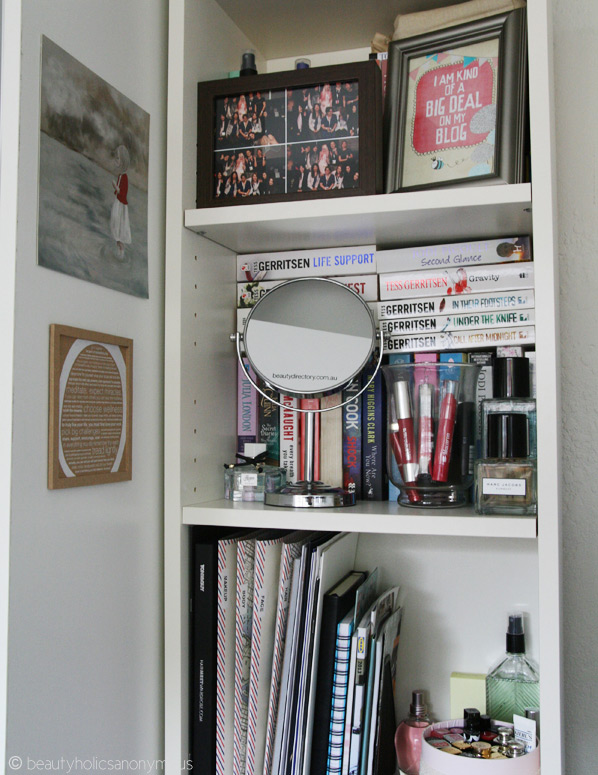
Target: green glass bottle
{"x":514,"y":684}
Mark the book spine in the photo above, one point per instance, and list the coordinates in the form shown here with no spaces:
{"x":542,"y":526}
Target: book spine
{"x":306,"y":263}
{"x":461,"y":340}
{"x":225,"y":655}
{"x":498,"y":251}
{"x":268,"y":430}
{"x":352,"y":468}
{"x":374,"y":437}
{"x":331,"y":441}
{"x":243,"y":626}
{"x":246,"y":409}
{"x":484,"y":389}
{"x":466,"y":321}
{"x":462,"y":303}
{"x":204,"y":658}
{"x":480,"y":279}
{"x":339,"y":702}
{"x":289,"y":553}
{"x":267,"y":568}
{"x":289,"y":437}
{"x":248,"y":294}
{"x":314,"y":404}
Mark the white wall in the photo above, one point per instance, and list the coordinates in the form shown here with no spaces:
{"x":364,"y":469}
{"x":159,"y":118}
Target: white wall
{"x":576,"y":65}
{"x":86,"y":614}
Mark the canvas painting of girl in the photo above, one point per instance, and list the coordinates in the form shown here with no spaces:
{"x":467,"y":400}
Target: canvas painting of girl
{"x":93,"y":177}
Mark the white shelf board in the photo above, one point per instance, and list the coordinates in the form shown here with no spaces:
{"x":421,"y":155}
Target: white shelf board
{"x":291,"y":29}
{"x":366,"y":517}
{"x":385,"y":220}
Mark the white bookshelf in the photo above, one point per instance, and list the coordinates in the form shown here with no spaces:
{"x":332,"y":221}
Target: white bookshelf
{"x":449,"y":562}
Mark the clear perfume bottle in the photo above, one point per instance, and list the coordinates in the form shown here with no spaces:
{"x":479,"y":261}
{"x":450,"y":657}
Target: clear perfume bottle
{"x":505,"y":475}
{"x":408,"y":737}
{"x":513,"y":685}
{"x":249,"y":481}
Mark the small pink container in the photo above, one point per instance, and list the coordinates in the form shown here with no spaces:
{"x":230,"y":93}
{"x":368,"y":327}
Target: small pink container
{"x":435,"y":762}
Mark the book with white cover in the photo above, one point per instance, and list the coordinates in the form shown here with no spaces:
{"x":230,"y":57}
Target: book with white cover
{"x":290,"y":552}
{"x":265,"y":595}
{"x":477,"y":252}
{"x":250,"y":292}
{"x":319,"y":262}
{"x":450,"y":304}
{"x":454,"y":281}
{"x":283,"y":712}
{"x":460,"y":321}
{"x":461,"y":340}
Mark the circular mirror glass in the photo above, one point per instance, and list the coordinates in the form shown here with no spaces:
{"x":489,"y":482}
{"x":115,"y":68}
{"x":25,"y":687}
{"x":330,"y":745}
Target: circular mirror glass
{"x":309,"y":337}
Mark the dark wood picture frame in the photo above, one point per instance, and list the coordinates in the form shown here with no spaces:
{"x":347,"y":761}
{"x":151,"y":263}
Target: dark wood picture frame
{"x":429,"y":112}
{"x":90,"y":408}
{"x":365,"y":144}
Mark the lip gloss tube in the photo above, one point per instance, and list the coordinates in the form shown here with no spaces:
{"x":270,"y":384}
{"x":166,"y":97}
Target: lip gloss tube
{"x":425,"y":446}
{"x":404,"y":438}
{"x":446,"y":429}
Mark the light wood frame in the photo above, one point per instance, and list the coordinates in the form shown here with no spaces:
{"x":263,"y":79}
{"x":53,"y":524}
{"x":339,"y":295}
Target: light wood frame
{"x":62,"y":341}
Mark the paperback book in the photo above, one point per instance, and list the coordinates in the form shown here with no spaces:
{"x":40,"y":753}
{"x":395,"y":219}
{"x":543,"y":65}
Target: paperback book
{"x":321,"y":262}
{"x":459,"y":322}
{"x":249,"y":293}
{"x":461,"y":340}
{"x":441,"y":282}
{"x":459,"y":304}
{"x":497,"y":251}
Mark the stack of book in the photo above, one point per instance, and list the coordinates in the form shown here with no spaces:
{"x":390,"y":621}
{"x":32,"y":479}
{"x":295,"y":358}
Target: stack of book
{"x":349,"y":441}
{"x":460,"y":296}
{"x":293,"y":656}
{"x":456,"y":302}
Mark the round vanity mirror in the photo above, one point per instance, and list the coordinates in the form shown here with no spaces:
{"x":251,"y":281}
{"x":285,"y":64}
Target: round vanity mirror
{"x":308,"y":338}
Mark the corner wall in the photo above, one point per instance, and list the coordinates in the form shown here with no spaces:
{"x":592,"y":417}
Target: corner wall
{"x":86,"y":604}
{"x":576,"y":64}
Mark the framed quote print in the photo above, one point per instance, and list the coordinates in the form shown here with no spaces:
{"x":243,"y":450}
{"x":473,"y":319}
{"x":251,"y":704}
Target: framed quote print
{"x":456,"y":105}
{"x":298,"y":134}
{"x":90,"y":413}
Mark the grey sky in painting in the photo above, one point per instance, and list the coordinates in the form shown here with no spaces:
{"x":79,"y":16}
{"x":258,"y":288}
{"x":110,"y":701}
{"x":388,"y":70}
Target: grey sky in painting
{"x":82,"y":111}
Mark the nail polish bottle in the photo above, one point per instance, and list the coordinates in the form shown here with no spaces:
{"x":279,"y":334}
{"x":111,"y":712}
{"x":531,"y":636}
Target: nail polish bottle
{"x":408,"y":737}
{"x":505,"y":475}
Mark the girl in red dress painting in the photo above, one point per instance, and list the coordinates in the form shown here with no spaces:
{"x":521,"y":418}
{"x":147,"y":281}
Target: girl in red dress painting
{"x":119,"y":217}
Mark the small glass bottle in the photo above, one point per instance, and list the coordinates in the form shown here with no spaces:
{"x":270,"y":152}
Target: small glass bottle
{"x":514,"y":684}
{"x":408,"y":737}
{"x":505,"y":475}
{"x":248,"y":482}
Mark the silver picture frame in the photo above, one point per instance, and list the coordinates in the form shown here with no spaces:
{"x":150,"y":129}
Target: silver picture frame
{"x":429,"y":137}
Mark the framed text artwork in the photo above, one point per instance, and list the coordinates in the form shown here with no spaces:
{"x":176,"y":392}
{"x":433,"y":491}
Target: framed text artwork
{"x":291,"y":135}
{"x":90,"y":413}
{"x":456,"y":105}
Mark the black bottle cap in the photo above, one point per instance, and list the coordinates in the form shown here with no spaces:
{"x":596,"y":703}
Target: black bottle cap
{"x":485,"y":723}
{"x":510,"y":377}
{"x":508,"y":435}
{"x":248,"y":64}
{"x":515,"y":635}
{"x":471,"y":721}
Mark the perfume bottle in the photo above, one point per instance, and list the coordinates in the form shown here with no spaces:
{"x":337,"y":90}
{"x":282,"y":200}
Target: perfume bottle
{"x":513,"y":685}
{"x":505,"y":475}
{"x":408,"y":737}
{"x":249,"y":480}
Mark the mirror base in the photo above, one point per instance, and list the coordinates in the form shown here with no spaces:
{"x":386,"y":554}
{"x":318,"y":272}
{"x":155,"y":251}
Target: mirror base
{"x":309,"y":495}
